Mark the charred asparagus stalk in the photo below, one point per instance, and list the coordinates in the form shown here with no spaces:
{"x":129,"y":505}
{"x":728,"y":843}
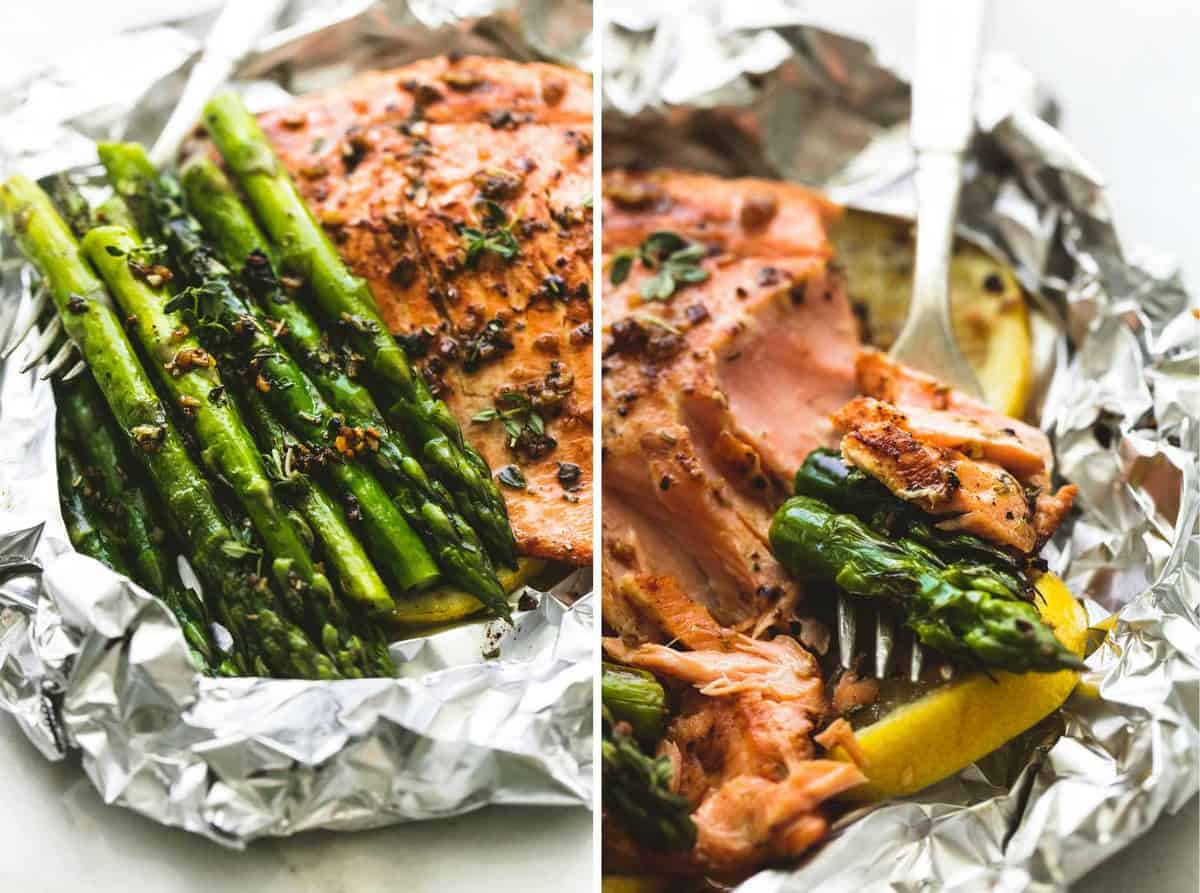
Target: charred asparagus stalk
{"x":636,"y":789}
{"x":636,"y":697}
{"x":340,"y":547}
{"x":85,"y":524}
{"x":307,"y":253}
{"x":954,"y":609}
{"x":89,"y":427}
{"x":239,"y":333}
{"x":241,"y":600}
{"x":188,"y":373}
{"x":826,"y":476}
{"x":425,"y":504}
{"x":85,"y":415}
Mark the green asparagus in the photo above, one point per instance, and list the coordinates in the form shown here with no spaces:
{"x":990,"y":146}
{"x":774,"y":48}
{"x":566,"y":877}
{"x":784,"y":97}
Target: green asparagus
{"x":636,"y":790}
{"x":951,"y":608}
{"x":241,"y":601}
{"x":90,"y":429}
{"x":636,"y":697}
{"x":82,"y":407}
{"x":307,"y":253}
{"x":89,"y":419}
{"x":340,"y":547}
{"x":239,"y":334}
{"x":189,"y":375}
{"x":426,"y":505}
{"x":86,"y":527}
{"x":69,"y":201}
{"x":825,"y":475}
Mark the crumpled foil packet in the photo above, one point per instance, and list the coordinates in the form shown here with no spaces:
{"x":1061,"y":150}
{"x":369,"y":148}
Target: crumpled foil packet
{"x":750,"y":89}
{"x":89,"y":661}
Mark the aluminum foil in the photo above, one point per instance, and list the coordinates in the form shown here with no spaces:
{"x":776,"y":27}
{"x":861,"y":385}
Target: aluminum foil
{"x":740,"y":88}
{"x":480,"y":714}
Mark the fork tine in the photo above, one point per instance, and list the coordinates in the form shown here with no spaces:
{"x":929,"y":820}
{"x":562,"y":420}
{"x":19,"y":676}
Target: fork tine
{"x":884,"y":639}
{"x":42,"y":346}
{"x":75,"y":371}
{"x":916,"y":659}
{"x":846,"y":630}
{"x":60,"y":359}
{"x":20,"y":331}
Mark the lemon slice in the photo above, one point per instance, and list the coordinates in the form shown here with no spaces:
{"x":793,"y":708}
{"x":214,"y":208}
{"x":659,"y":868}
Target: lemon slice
{"x":445,"y":604}
{"x":991,"y":320}
{"x":936,"y":735}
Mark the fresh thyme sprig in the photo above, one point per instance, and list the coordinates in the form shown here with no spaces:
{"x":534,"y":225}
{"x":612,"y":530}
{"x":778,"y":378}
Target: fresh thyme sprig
{"x":496,"y":235}
{"x":675,"y":260}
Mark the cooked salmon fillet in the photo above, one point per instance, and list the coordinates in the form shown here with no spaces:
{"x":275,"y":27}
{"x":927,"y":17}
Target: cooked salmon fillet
{"x":713,"y":397}
{"x":947,"y":429}
{"x":656,"y":609}
{"x":741,"y":743}
{"x":397,"y":164}
{"x":914,"y":434}
{"x":975,"y":496}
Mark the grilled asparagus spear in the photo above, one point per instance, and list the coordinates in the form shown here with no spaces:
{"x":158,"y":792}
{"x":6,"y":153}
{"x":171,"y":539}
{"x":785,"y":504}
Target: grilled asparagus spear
{"x":189,"y":374}
{"x":90,"y":428}
{"x":426,"y":505}
{"x":341,"y":548}
{"x":239,"y":333}
{"x":954,"y":608}
{"x":825,"y":475}
{"x":85,"y":524}
{"x":433,"y":432}
{"x":85,"y":415}
{"x":634,"y":696}
{"x":636,"y":789}
{"x":242,"y":601}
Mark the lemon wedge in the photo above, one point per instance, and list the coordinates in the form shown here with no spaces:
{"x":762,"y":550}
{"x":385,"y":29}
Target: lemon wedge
{"x":445,"y":604}
{"x":951,"y":727}
{"x":991,"y":320}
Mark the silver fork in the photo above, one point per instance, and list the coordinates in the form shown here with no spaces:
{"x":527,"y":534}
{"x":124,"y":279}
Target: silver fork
{"x":943,"y":92}
{"x":52,"y":342}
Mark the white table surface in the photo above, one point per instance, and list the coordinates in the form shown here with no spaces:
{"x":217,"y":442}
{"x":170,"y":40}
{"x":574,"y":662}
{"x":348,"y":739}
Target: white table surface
{"x":1123,"y":70}
{"x":59,"y":835}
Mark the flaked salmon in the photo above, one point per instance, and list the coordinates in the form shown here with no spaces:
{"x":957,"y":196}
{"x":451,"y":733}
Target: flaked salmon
{"x":972,"y":495}
{"x":459,"y":189}
{"x":912,"y":439}
{"x":714,"y":393}
{"x":741,"y":744}
{"x":947,"y":429}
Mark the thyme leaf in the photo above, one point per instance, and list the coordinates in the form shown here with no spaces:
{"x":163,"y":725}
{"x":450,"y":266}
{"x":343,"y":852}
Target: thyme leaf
{"x":674,"y":260}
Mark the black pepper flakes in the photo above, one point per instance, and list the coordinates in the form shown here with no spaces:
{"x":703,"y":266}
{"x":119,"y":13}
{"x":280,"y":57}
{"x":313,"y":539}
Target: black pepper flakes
{"x":404,"y":272}
{"x":505,"y":119}
{"x":569,"y":475}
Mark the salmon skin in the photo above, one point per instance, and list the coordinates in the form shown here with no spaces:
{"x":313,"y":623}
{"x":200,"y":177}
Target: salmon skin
{"x":459,"y":188}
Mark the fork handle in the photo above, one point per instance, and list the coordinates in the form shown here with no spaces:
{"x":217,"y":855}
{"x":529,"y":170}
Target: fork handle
{"x":927,"y":339}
